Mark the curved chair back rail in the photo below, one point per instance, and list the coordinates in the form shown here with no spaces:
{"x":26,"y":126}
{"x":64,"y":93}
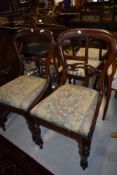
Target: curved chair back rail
{"x":72,"y":110}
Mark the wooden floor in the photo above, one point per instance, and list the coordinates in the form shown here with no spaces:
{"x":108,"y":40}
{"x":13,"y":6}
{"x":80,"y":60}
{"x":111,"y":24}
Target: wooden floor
{"x":14,"y":161}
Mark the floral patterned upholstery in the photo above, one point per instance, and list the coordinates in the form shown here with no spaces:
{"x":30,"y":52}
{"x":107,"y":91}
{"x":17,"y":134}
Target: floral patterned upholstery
{"x":70,"y":107}
{"x":21,"y":92}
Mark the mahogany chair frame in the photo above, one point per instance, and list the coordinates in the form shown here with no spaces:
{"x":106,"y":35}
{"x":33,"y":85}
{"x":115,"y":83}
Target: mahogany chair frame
{"x":44,"y":33}
{"x":83,"y":141}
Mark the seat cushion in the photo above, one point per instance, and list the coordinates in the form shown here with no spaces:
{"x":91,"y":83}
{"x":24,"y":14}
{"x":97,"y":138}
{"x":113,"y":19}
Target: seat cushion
{"x":70,"y":107}
{"x":21,"y":91}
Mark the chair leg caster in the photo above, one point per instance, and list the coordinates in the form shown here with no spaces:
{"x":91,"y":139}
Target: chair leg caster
{"x":38,"y":141}
{"x":84,"y":164}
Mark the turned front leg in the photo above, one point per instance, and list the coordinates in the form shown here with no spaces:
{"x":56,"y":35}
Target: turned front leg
{"x":36,"y":133}
{"x":84,"y":151}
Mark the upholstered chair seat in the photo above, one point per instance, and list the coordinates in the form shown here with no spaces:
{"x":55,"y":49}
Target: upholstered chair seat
{"x":70,"y":107}
{"x":21,"y":92}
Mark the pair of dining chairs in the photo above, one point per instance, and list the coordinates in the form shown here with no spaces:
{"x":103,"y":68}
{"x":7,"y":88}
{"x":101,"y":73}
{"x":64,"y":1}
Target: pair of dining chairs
{"x":71,"y":109}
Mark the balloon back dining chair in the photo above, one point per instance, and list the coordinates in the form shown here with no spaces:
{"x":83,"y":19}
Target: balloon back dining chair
{"x":73,"y":109}
{"x":22,"y":93}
